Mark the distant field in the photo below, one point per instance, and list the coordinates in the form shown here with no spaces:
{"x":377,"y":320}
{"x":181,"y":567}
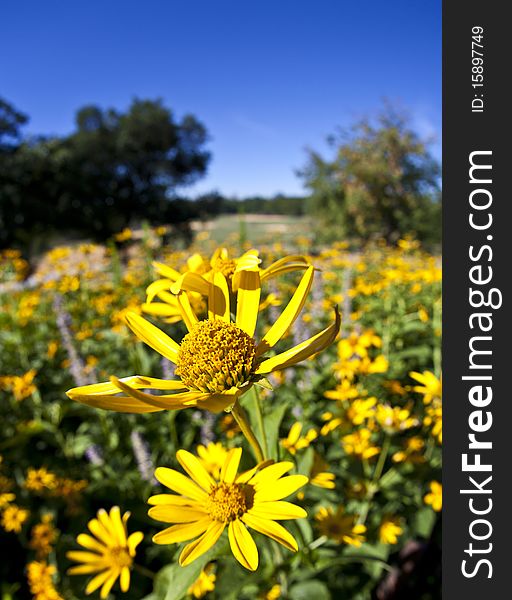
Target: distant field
{"x":258,"y":229}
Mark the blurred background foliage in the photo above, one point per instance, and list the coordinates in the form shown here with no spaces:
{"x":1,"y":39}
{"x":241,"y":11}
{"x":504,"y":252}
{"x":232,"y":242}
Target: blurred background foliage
{"x":117,"y":169}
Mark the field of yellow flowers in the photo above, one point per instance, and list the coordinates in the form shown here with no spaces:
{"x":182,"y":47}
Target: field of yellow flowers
{"x":220,"y":422}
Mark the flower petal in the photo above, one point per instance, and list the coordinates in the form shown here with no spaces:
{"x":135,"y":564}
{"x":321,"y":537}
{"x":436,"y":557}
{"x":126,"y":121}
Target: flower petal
{"x":276,"y":490}
{"x":271,"y":473}
{"x":202,"y":544}
{"x":107,"y":586}
{"x":289,"y":314}
{"x":272,"y":530}
{"x":230,"y":466}
{"x":178,"y":482}
{"x":176,"y":514}
{"x":90,"y":543}
{"x":195,"y":469}
{"x":242,"y":545}
{"x":294,"y":262}
{"x":172,"y":500}
{"x":85,"y":557}
{"x":156,"y":287}
{"x":97,"y":581}
{"x":218,"y":298}
{"x":191,"y":282}
{"x":152,"y":336}
{"x":124,"y":581}
{"x":188,"y":315}
{"x":303,"y":350}
{"x":134,"y":539}
{"x":248,"y":301}
{"x":166,"y":271}
{"x":182,"y":532}
{"x":277,"y":510}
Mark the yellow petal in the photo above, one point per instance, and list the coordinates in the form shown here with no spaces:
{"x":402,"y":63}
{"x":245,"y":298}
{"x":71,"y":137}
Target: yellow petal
{"x":152,"y":336}
{"x":90,"y":543}
{"x":178,"y":482}
{"x":195,"y":469}
{"x":272,"y":530}
{"x":242,"y":545}
{"x":118,"y":525}
{"x":218,"y":298}
{"x":271,"y":473}
{"x":161,"y":309}
{"x":278,"y":510}
{"x":276,"y":490}
{"x":85,"y":569}
{"x":133,"y":541}
{"x":124,"y":581}
{"x":182,"y":532}
{"x":166,"y":271}
{"x":107,"y":586}
{"x":303,"y":350}
{"x":191,"y":282}
{"x":248,"y":301}
{"x":176,"y":514}
{"x":116,"y":403}
{"x":289,"y":314}
{"x":164,"y":401}
{"x":97,"y":581}
{"x":201,"y":545}
{"x":188,"y":315}
{"x":230,"y":466}
{"x":286,"y":264}
{"x":172,"y":500}
{"x":156,"y":287}
{"x":84,"y":557}
{"x":99,"y":531}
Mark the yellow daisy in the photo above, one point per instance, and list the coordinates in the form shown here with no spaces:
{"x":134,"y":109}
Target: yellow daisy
{"x":220,"y":262}
{"x":206,"y":506}
{"x":431,"y":387}
{"x":109,"y":553}
{"x":217,"y":360}
{"x":338,"y":526}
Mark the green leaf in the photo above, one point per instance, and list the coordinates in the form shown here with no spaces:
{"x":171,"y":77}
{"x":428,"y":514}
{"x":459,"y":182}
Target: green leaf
{"x":308,"y":590}
{"x":172,"y":582}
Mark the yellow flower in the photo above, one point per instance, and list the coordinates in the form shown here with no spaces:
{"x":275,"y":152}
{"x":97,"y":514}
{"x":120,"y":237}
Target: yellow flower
{"x":212,"y":457}
{"x":39,"y":575}
{"x":431,"y":387}
{"x":21,"y":386}
{"x":435,"y":497}
{"x":6,"y":498}
{"x":434,"y":419}
{"x":390,"y":529}
{"x":220,"y":262}
{"x":412,"y":452}
{"x":274,"y":593}
{"x":109,"y":553}
{"x":345,"y":390}
{"x":43,"y":536}
{"x":38,"y":480}
{"x":294,"y":442}
{"x":204,"y":583}
{"x":53,"y":346}
{"x":340,"y":527}
{"x":359,"y":444}
{"x":394,"y":419}
{"x":206,"y":506}
{"x":13,"y":518}
{"x":217,"y":360}
{"x":361,"y":410}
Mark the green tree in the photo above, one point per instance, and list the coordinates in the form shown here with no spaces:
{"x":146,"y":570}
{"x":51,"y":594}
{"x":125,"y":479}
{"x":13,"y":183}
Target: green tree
{"x":113,"y":170}
{"x":382,"y":182}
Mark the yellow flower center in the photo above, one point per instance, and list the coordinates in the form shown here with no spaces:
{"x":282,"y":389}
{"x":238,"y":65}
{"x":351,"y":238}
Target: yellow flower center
{"x":215,"y":356}
{"x":229,"y":501}
{"x":225,"y":266}
{"x":118,"y":557}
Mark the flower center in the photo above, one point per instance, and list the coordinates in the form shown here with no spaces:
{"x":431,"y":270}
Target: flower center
{"x":229,"y":501}
{"x":225,"y":266}
{"x":215,"y":356}
{"x":119,"y":557}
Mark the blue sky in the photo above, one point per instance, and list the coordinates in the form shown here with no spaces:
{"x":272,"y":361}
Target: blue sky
{"x":267,"y":78}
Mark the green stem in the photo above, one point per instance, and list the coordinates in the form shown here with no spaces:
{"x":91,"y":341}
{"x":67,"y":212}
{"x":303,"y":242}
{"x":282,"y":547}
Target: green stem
{"x":374,"y":484}
{"x":261,"y":423}
{"x":143,"y":571}
{"x":242,"y":421}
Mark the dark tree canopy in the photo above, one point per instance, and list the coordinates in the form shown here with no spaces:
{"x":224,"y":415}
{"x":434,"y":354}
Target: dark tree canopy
{"x":382,"y":182}
{"x":113,"y":170}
